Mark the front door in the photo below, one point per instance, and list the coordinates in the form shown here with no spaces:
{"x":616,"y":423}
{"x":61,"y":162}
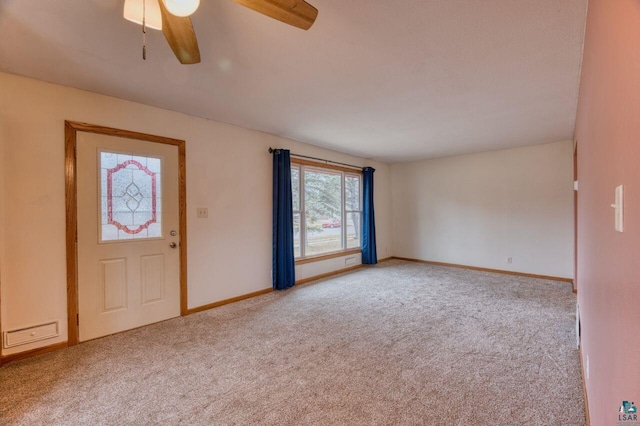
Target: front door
{"x":128,"y":233}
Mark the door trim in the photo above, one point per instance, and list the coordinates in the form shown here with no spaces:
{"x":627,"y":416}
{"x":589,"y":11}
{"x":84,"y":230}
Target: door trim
{"x":71,"y":128}
{"x":575,"y":217}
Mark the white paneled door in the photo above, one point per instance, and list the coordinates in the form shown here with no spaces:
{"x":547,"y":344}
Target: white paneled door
{"x":128,"y":233}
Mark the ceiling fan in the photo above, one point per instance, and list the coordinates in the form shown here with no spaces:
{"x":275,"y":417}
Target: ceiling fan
{"x":172,"y":17}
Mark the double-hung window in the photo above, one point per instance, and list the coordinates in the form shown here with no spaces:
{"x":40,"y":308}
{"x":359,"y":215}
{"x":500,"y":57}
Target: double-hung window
{"x":327,"y":209}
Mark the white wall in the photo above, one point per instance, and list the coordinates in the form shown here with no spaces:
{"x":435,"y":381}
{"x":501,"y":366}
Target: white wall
{"x":228,"y":171}
{"x":480,"y":209}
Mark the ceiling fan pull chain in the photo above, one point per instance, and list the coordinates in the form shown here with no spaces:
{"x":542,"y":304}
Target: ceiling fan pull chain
{"x":144,"y":30}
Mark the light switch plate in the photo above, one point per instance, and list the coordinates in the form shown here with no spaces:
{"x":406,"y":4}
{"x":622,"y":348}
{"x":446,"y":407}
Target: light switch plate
{"x":203,"y":213}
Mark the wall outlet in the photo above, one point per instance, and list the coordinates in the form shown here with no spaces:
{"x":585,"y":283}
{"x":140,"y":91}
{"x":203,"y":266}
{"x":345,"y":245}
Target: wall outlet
{"x":509,"y":260}
{"x":202,"y":212}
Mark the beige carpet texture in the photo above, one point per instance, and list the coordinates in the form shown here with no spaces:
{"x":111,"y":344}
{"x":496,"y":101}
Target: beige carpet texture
{"x":400,"y":343}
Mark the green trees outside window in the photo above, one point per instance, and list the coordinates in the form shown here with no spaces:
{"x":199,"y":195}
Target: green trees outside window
{"x":330,"y":202}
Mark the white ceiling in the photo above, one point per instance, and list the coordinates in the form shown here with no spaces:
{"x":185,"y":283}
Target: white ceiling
{"x":392,"y":80}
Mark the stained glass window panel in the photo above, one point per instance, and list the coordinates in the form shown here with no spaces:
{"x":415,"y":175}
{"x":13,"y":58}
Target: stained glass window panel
{"x":131,"y":203}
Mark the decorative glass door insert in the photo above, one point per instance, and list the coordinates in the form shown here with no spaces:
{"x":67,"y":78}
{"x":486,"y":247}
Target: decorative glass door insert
{"x":130,"y":197}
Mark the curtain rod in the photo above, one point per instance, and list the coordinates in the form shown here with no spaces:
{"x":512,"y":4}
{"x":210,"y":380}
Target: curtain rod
{"x":272,"y":150}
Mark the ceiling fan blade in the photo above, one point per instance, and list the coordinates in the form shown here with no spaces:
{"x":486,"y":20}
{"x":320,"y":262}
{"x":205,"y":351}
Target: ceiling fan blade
{"x":298,"y":13}
{"x":180,"y":36}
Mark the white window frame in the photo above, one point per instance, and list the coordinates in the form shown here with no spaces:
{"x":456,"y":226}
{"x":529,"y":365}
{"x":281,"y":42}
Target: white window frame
{"x":344,"y":173}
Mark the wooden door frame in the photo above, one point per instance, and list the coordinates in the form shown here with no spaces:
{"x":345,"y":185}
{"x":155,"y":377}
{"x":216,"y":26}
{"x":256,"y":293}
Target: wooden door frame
{"x":575,"y":216}
{"x":71,"y":129}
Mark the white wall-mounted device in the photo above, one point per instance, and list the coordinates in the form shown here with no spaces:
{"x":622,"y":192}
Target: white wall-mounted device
{"x":202,"y":212}
{"x":619,"y":208}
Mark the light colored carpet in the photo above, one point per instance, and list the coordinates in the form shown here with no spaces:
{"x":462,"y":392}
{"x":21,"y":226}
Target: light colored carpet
{"x":397,"y":344}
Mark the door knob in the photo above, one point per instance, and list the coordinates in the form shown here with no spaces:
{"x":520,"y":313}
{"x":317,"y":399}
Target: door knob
{"x":173,"y":245}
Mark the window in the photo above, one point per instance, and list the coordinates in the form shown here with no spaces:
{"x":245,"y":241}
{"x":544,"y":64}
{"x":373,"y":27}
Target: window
{"x":130,"y":200}
{"x":327,"y":206}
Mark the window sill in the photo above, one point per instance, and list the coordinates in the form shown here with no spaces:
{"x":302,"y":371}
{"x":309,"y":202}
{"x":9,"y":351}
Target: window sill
{"x":332,"y":255}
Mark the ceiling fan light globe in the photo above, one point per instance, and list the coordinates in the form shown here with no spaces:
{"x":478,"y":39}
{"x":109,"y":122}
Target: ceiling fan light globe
{"x":181,"y":8}
{"x":133,"y":12}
